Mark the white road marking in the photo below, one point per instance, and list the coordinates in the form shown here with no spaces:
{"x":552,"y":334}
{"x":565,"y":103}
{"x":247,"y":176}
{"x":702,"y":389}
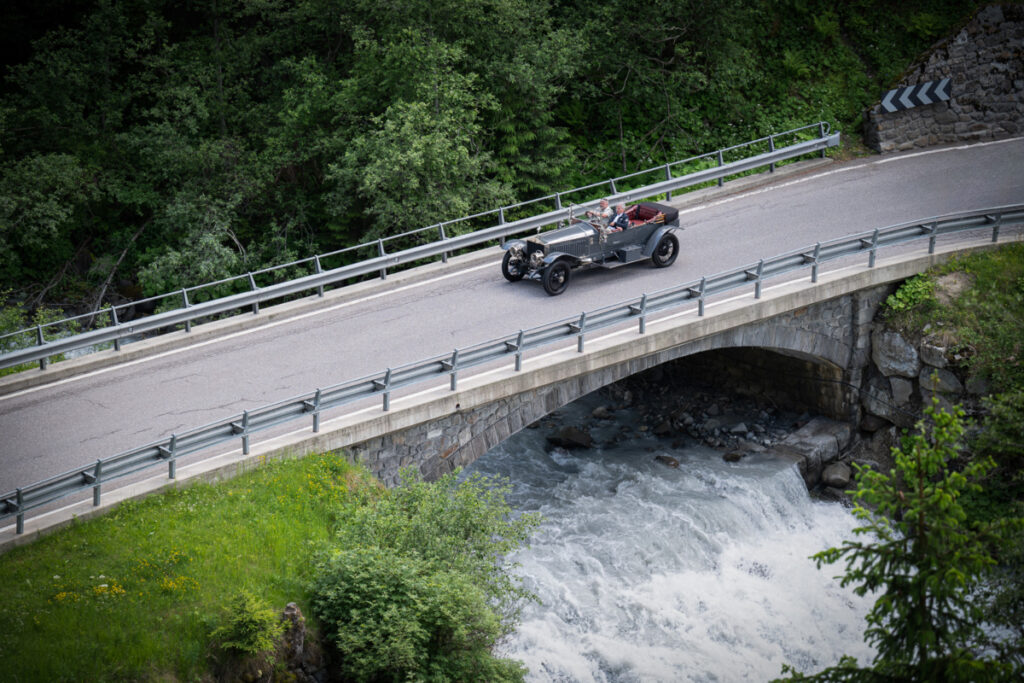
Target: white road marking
{"x":742,"y":195}
{"x":844,"y":169}
{"x":240,"y":333}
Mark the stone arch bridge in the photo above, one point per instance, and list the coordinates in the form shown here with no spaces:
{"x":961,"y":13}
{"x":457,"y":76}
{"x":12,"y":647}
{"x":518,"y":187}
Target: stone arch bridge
{"x":809,"y":330}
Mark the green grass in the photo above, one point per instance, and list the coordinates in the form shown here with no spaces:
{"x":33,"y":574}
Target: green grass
{"x":135,"y":594}
{"x":984,"y":324}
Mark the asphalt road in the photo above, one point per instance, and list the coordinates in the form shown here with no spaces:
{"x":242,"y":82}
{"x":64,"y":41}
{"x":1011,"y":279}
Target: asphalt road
{"x":53,"y":428}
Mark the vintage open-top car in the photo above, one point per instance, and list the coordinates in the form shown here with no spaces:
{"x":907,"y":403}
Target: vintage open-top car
{"x":552,"y":256}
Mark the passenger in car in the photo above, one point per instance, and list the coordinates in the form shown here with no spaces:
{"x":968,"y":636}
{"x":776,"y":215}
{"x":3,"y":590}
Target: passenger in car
{"x":620,"y":221}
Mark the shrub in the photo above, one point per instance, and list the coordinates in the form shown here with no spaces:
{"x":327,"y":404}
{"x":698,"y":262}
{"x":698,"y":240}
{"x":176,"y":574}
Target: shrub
{"x":417,"y":585}
{"x":250,"y":627}
{"x":912,"y":293}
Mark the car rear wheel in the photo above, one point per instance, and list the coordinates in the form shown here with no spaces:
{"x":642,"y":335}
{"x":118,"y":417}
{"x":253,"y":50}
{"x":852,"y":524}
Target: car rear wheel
{"x":556,"y":277}
{"x":666,"y":251}
{"x":512,"y":268}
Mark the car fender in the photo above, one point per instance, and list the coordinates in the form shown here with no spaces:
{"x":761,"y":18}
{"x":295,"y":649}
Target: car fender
{"x":653,"y":240}
{"x":561,"y":256}
{"x":514,"y":243}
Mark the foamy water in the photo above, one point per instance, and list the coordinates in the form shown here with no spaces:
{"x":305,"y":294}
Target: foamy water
{"x":648,"y":573}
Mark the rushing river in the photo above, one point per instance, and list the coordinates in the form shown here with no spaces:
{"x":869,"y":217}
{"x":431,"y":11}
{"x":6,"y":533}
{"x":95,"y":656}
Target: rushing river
{"x":649,"y":573}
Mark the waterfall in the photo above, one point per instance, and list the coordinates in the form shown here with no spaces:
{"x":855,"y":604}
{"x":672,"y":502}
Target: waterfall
{"x":650,"y":573}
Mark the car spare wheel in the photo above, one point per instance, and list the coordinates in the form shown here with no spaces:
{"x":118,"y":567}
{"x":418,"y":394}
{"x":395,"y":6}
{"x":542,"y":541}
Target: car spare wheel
{"x":512,"y":268}
{"x":666,"y":251}
{"x":556,"y":277}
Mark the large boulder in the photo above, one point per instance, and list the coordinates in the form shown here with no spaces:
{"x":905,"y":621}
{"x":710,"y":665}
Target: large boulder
{"x":938,"y":380}
{"x":893,"y":354}
{"x":877,"y":399}
{"x":837,"y":475}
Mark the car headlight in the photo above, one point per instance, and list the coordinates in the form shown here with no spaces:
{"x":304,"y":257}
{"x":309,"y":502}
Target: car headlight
{"x":536,"y":259}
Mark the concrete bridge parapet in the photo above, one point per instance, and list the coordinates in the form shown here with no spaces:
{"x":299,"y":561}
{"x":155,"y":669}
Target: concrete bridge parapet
{"x":830,"y":337}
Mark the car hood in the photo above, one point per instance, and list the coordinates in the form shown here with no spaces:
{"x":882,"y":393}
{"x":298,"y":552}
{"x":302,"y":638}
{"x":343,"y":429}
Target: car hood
{"x":567,"y":234}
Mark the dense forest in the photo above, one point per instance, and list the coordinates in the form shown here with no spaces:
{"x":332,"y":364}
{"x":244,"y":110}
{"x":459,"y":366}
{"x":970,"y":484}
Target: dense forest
{"x":147,"y":145}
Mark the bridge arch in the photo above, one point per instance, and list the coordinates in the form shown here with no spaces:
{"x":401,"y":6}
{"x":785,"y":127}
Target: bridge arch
{"x":814,"y":352}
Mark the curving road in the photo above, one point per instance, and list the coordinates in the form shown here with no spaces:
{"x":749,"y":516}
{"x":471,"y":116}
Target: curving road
{"x":70,"y":423}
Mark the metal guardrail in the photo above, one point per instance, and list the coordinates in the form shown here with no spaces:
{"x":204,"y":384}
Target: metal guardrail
{"x":190,"y":312}
{"x":167,"y":451}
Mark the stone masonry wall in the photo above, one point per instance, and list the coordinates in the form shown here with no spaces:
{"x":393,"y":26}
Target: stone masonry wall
{"x":985,"y":62}
{"x":833,"y":334}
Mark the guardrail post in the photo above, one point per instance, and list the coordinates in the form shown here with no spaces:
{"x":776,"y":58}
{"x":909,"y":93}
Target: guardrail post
{"x":813,"y":259}
{"x":385,"y":386}
{"x":43,"y":362}
{"x":186,"y":304}
{"x":998,"y":220}
{"x":821,"y":134}
{"x":668,"y":176}
{"x":872,"y":244}
{"x":452,"y":366}
{"x":501,"y":221}
{"x":932,"y":231}
{"x":98,"y":483}
{"x":314,"y":408}
{"x":721,"y":162}
{"x":255,"y":304}
{"x":611,"y":184}
{"x":381,"y":252}
{"x":640,"y":310}
{"x":558,"y":201}
{"x":580,"y":330}
{"x":167,"y":452}
{"x":517,"y":346}
{"x":756,"y":275}
{"x":319,"y":269}
{"x":114,"y":323}
{"x":771,"y":148}
{"x":444,"y":254}
{"x":20,"y":499}
{"x":699,"y":293}
{"x":242,"y":429}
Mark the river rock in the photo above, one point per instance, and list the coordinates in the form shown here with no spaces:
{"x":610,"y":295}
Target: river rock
{"x":571,"y":437}
{"x":739,"y":428}
{"x":933,"y":354}
{"x":939,"y":380}
{"x":893,"y":354}
{"x":902,"y":390}
{"x":877,"y":399}
{"x":664,"y":428}
{"x":602,"y":413}
{"x":732,"y":456}
{"x":667,"y":460}
{"x":837,"y":474}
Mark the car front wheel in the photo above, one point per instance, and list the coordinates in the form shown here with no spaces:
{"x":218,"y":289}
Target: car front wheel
{"x":666,"y":251}
{"x":556,"y":277}
{"x":512,"y":268}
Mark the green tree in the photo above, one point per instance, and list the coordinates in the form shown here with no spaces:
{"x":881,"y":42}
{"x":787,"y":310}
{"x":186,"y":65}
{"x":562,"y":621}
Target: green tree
{"x":925,"y":560}
{"x":418,"y":586}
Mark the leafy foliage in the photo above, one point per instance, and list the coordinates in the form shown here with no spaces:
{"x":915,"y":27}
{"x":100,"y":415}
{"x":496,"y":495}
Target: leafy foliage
{"x":250,"y":626}
{"x":924,"y":559}
{"x":161,"y":143}
{"x":417,"y":585}
{"x":915,"y":292}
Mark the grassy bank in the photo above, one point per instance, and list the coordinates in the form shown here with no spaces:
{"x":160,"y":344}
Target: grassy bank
{"x":134,"y":594}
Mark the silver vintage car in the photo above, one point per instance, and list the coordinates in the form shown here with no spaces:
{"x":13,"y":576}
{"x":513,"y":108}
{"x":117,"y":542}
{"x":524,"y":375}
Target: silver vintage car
{"x":551,"y":257}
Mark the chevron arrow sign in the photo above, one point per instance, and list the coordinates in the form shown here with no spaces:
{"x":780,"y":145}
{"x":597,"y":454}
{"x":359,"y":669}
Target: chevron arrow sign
{"x":914,"y":95}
